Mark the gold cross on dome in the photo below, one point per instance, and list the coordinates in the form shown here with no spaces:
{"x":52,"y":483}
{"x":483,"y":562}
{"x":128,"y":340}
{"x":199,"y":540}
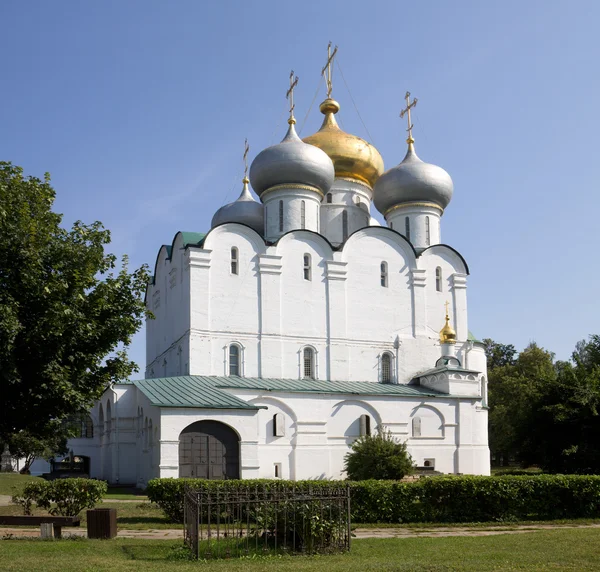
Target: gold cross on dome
{"x":406,"y":111}
{"x":246,"y":149}
{"x":327,"y":68}
{"x":447,"y":304}
{"x":290,"y":95}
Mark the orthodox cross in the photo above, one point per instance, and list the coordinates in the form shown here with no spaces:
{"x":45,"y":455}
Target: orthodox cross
{"x":327,"y":68}
{"x":406,"y":111}
{"x":447,"y":304}
{"x":246,"y":149}
{"x":290,"y":95}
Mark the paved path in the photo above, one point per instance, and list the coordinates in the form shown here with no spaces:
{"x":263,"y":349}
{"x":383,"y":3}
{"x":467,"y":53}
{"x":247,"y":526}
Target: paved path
{"x":434,"y":532}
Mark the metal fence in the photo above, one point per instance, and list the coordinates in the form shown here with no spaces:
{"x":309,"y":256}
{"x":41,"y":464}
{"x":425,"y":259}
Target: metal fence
{"x":228,"y":522}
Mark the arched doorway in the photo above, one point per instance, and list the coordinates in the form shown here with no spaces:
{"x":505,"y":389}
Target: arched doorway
{"x":209,"y":450}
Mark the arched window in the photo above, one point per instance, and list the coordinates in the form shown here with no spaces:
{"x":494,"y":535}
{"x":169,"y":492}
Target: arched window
{"x":87,"y":427}
{"x":234,"y":260}
{"x":278,"y":425}
{"x":384,"y":274}
{"x":303,"y":214}
{"x":101,"y":420}
{"x":150,"y":433}
{"x":365,"y":425}
{"x":234,"y":360}
{"x":345,"y":225}
{"x":309,"y":363}
{"x":438,"y":279}
{"x":307,"y":269}
{"x":427,"y":232}
{"x":280,"y":216}
{"x":407,"y":228}
{"x":108,"y":418}
{"x":329,"y":197}
{"x":416,"y":427}
{"x":386,"y":368}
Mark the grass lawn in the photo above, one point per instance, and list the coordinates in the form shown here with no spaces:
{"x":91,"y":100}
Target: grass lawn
{"x":12,"y":483}
{"x":125,"y":493}
{"x":575,"y":550}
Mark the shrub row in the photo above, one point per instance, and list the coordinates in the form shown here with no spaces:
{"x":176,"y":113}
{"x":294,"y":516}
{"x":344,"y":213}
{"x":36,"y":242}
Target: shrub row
{"x":433,"y":499}
{"x":64,"y":497}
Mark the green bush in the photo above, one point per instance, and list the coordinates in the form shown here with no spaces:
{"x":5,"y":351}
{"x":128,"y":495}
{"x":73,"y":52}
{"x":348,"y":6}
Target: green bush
{"x":378,"y":456}
{"x":63,"y":497}
{"x":432,"y":499}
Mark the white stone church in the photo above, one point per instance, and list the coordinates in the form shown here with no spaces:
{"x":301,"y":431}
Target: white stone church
{"x":298,"y":323}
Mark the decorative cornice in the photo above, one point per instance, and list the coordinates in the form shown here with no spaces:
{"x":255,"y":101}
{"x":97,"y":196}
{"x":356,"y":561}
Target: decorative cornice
{"x":413,"y":205}
{"x":458,"y":281}
{"x":199,"y":258}
{"x":269,"y":264}
{"x":357,"y":181}
{"x":336,"y":270}
{"x":291,"y":187}
{"x":418,"y":278}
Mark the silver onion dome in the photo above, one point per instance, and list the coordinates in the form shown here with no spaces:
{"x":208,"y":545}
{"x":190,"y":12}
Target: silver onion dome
{"x":244,"y":210}
{"x":291,"y":162}
{"x":412,"y":181}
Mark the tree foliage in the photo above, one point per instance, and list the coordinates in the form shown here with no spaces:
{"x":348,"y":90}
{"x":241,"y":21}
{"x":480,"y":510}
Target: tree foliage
{"x":67,"y":313}
{"x":378,"y":456}
{"x":24,"y":445}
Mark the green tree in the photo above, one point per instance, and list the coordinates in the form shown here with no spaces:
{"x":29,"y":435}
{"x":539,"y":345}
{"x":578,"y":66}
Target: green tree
{"x":378,"y":456}
{"x":67,"y":313}
{"x":498,"y":355}
{"x":24,"y":445}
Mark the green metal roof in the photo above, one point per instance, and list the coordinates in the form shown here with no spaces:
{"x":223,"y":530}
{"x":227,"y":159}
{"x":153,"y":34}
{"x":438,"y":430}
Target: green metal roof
{"x":208,"y":391}
{"x":192,"y":238}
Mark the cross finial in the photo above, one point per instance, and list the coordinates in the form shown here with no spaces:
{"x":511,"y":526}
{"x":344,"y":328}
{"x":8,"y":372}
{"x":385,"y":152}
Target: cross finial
{"x":246,"y":149}
{"x":327,"y":68}
{"x":406,"y":111}
{"x":447,"y":304}
{"x":290,"y":95}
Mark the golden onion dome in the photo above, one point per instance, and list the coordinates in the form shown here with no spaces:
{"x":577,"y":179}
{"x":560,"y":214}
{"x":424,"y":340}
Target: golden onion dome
{"x":447,"y":333}
{"x":352,"y":156}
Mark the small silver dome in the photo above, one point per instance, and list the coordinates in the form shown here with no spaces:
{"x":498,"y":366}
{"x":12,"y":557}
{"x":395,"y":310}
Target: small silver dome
{"x":244,"y":210}
{"x":412,"y":181}
{"x":291,"y":161}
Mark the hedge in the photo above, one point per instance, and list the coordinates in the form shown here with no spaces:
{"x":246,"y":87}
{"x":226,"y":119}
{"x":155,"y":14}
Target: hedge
{"x":432,"y":499}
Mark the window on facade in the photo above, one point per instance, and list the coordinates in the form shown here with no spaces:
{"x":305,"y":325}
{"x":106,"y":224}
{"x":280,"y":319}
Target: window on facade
{"x":438,"y":279}
{"x":234,"y":260}
{"x":384,"y":274}
{"x":329,"y":197}
{"x":280,"y":216}
{"x":307,"y":269}
{"x":345,"y":225}
{"x":427,"y":232}
{"x":386,"y":368}
{"x":278,"y":425}
{"x":83,"y":427}
{"x":303,"y":214}
{"x":309,"y":363}
{"x":234,"y":360}
{"x":365,"y":425}
{"x":407,"y":228}
{"x":416,"y":427}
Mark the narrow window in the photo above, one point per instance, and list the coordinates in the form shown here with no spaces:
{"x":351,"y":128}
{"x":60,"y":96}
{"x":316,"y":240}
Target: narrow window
{"x":416,"y":427}
{"x":407,"y":228}
{"x":309,"y":363}
{"x":277,"y":470}
{"x":386,"y":368}
{"x":303,"y":214}
{"x":384,"y":275}
{"x":427,"y":232}
{"x":438,"y":279}
{"x":234,"y":360}
{"x":329,"y":197}
{"x":280,"y":216}
{"x":150,"y":443}
{"x":88,"y":429}
{"x":365,"y":425}
{"x":278,"y":425}
{"x":234,"y":260}
{"x":345,"y":225}
{"x":307,"y":269}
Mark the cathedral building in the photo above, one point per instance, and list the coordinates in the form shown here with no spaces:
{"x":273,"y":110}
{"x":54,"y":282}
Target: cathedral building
{"x":298,"y":323}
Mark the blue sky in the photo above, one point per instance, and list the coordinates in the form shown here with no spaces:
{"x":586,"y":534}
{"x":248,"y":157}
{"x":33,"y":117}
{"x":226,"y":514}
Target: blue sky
{"x":139,"y":110}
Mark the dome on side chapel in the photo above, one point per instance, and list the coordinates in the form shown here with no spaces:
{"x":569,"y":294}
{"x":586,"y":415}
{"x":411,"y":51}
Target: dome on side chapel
{"x":244,"y":210}
{"x":291,"y":162}
{"x":413,"y":181}
{"x":352,"y":156}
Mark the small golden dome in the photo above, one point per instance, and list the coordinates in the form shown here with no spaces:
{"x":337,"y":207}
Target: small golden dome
{"x":447,"y":333}
{"x":352,"y":156}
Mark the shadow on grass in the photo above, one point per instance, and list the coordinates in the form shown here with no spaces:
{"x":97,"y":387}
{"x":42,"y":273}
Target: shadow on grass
{"x":143,"y":552}
{"x":149,"y":520}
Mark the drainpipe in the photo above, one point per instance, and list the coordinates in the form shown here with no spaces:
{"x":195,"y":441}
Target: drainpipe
{"x":117,"y":435}
{"x":397,"y":344}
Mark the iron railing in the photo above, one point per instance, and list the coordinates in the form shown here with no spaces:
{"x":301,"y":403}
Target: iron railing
{"x":226,"y":522}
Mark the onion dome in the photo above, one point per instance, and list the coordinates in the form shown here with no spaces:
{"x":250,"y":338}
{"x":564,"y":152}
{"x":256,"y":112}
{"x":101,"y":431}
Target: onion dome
{"x":413,"y":181}
{"x":447,"y":333}
{"x":352,"y":156}
{"x":291,"y":162}
{"x":244,"y":210}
